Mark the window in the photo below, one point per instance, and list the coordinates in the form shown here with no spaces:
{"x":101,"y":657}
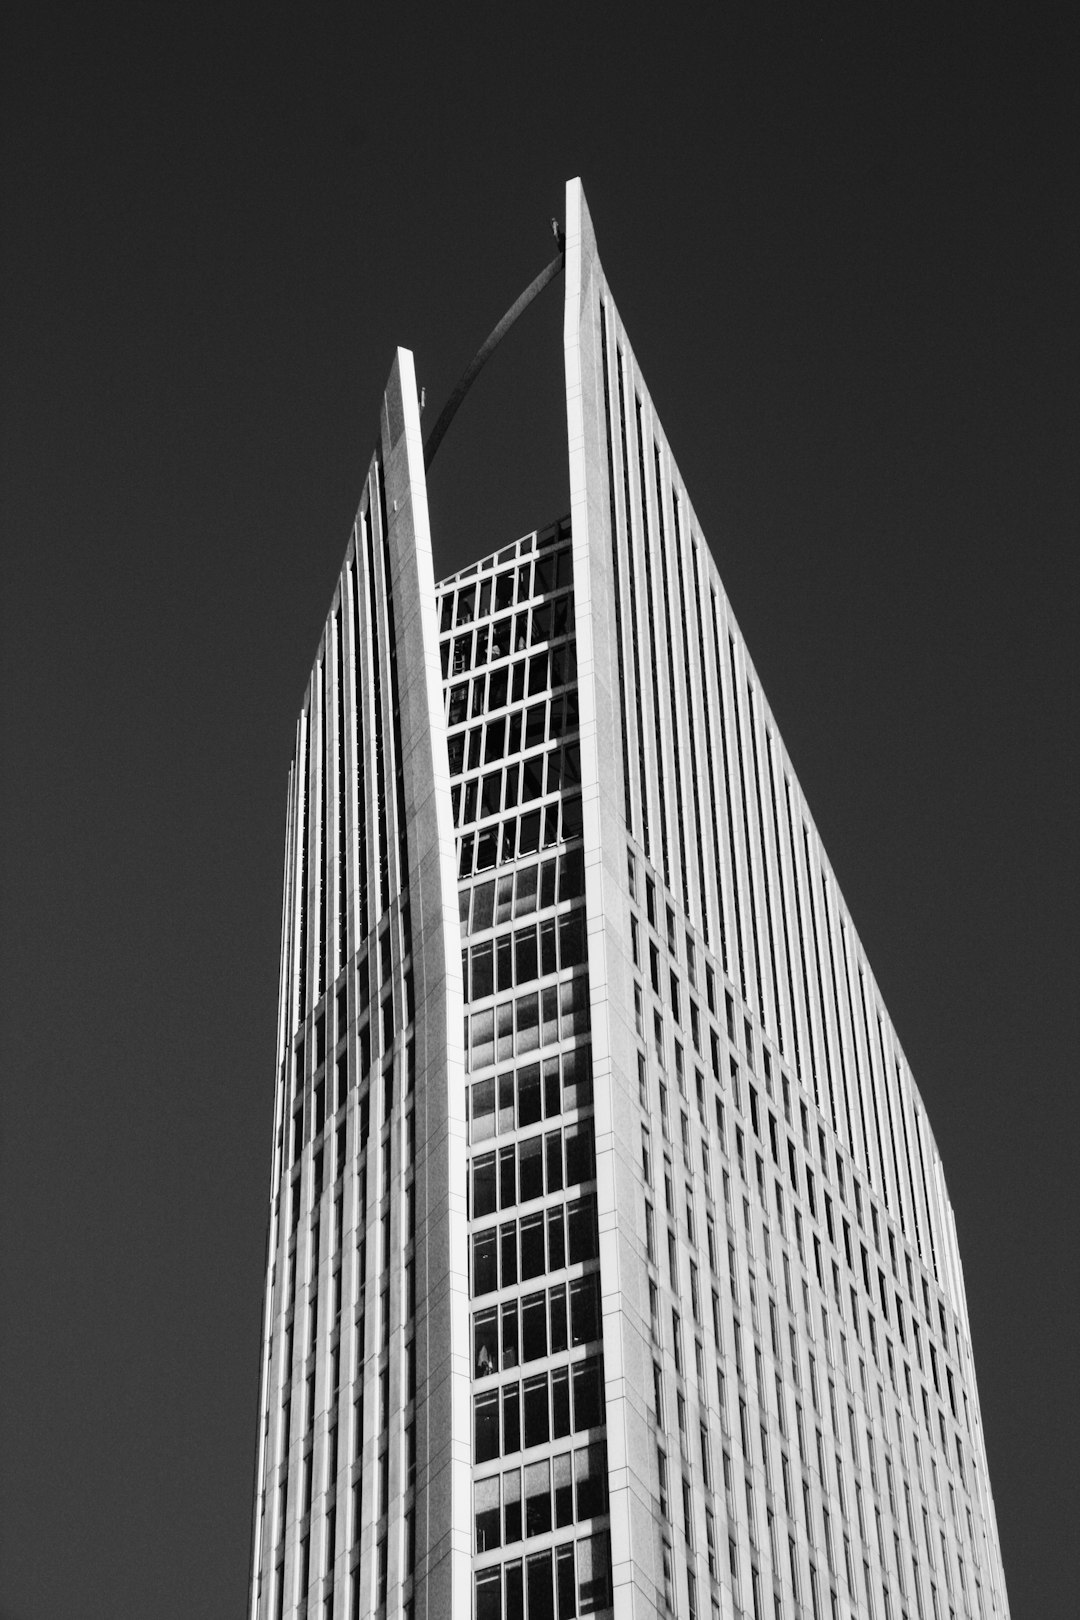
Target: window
{"x":486,"y":1513}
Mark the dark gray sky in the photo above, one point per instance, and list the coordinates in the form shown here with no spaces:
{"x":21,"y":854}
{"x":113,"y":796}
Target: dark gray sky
{"x":844,"y":243}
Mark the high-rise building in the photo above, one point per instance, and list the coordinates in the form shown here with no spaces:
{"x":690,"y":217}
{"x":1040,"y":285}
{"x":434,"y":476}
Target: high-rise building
{"x":611,"y":1267}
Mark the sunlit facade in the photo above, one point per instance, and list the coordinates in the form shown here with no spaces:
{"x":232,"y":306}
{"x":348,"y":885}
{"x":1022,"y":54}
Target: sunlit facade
{"x":611,"y":1268}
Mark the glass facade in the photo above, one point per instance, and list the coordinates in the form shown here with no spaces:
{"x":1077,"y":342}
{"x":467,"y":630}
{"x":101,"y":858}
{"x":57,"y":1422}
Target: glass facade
{"x":510,"y":676}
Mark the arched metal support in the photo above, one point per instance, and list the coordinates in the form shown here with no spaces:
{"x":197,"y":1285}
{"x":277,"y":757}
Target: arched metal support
{"x":472,"y":371}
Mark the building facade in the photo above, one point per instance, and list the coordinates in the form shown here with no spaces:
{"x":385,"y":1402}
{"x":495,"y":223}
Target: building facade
{"x":611,"y":1268}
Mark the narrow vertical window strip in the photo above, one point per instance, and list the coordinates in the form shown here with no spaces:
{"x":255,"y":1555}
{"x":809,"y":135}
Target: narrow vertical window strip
{"x":930,"y":1207}
{"x":287,"y":987}
{"x":802,"y":943}
{"x":751,"y":886}
{"x":881,"y":1179}
{"x":694,"y":705}
{"x":859,"y":1088}
{"x":395,"y":691}
{"x":674,"y":718}
{"x":379,"y":728}
{"x":628,"y":814}
{"x":836,"y":1009}
{"x":650,"y":609}
{"x":765,"y":884}
{"x":886,"y":1085}
{"x":632,"y":579}
{"x":339,"y":755}
{"x":304,"y":787}
{"x":810,"y":865}
{"x":902,"y":1092}
{"x":783,"y":903}
{"x":323,"y":765}
{"x":358,"y":688}
{"x":727,"y":799}
{"x":714,"y":814}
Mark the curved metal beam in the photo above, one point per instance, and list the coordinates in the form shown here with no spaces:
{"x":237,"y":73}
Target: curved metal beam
{"x":472,"y":370}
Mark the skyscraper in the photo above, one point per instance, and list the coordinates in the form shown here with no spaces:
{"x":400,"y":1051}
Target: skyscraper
{"x":610,"y":1265}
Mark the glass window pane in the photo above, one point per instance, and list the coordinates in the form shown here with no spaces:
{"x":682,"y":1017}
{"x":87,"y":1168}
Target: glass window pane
{"x":500,"y":646}
{"x":483,"y":1189}
{"x":564,"y":1495}
{"x":588,"y":1395}
{"x":525,"y":891}
{"x":488,"y":1594}
{"x":506,"y":1030}
{"x":541,"y":1602}
{"x":572,"y":939}
{"x":486,"y":1426}
{"x":483,"y":1110}
{"x":508,"y":1246}
{"x":565,"y":1583}
{"x":525,"y":968}
{"x":486,"y":1506}
{"x":515,"y":1592}
{"x":533,"y":1327}
{"x":590,"y":1473}
{"x":487,"y":850}
{"x":552,"y":1099}
{"x":532,"y":779}
{"x":459,"y":704}
{"x":577,"y":1078}
{"x":594,"y":1573}
{"x":529,"y":839}
{"x":528,"y":1081}
{"x":571,"y":874}
{"x":511,"y":1419}
{"x":536,"y":1410}
{"x":584,"y":1309}
{"x":537,"y":1494}
{"x":512,"y":1505}
{"x":485,"y":1342}
{"x":549,"y":999}
{"x":483,"y":1039}
{"x":558,"y":1318}
{"x":506,"y":1104}
{"x":528,"y":1023}
{"x":579,"y":1152}
{"x":553,"y":1156}
{"x":556,"y":1239}
{"x":581,"y":1229}
{"x":507,"y":1157}
{"x":483,"y":906}
{"x":560,"y":1402}
{"x":510,"y":1335}
{"x":531,"y":1168}
{"x":532,"y":1247}
{"x":485,"y":1270}
{"x":491,"y":794}
{"x":538,"y":672}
